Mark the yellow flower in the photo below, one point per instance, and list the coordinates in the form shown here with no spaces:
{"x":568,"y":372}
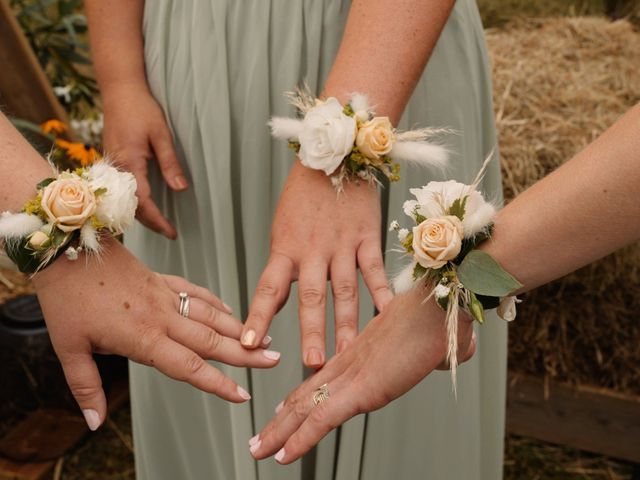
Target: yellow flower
{"x":54,"y":126}
{"x":85,"y":154}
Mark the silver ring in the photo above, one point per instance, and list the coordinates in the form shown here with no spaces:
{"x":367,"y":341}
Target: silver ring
{"x":184,"y":304}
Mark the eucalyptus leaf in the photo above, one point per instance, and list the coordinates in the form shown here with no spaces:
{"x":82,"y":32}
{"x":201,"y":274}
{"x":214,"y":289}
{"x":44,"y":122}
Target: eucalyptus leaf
{"x":481,"y":274}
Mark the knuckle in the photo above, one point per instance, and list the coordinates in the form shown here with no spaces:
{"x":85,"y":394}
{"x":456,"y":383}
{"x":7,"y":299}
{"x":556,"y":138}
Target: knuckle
{"x":312,"y":333}
{"x":256,"y":317}
{"x":212,"y":340}
{"x":214,"y":316}
{"x":311,"y":297}
{"x":148,"y":338}
{"x":82,"y":392}
{"x":319,"y":418}
{"x":268,"y":289}
{"x":299,"y":408}
{"x":194,"y":365}
{"x":345,"y":291}
{"x":347,"y":324}
{"x":374,"y":266}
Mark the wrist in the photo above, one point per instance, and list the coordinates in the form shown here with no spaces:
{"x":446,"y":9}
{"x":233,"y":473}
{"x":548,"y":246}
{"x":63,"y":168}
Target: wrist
{"x":115,"y":91}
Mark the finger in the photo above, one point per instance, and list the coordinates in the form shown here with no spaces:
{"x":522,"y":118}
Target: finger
{"x":344,"y":285}
{"x":178,"y":362}
{"x":85,"y":383}
{"x":221,"y":322}
{"x":179,"y":284}
{"x":271,"y":293}
{"x":209,"y":344}
{"x":330,"y":414}
{"x":372,"y":268}
{"x":297,"y":407}
{"x":148,"y":212}
{"x":312,"y":300}
{"x":165,"y":154}
{"x":151,"y":217}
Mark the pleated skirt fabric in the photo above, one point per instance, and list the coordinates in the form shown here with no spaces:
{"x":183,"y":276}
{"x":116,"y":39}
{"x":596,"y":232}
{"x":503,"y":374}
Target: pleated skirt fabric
{"x":219,"y":68}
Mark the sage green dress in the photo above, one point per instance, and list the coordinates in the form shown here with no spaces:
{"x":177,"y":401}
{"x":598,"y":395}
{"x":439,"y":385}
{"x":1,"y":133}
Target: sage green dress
{"x":218,"y":68}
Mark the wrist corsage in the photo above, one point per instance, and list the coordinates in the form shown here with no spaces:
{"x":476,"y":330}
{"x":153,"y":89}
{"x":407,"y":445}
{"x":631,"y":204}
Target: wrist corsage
{"x":349,"y":142}
{"x":69,"y":214}
{"x":451,"y":220}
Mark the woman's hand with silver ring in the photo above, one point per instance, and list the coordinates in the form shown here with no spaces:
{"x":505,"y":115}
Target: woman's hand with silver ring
{"x":393,"y":353}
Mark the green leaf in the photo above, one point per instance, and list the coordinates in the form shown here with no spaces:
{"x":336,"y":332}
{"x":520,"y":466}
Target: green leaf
{"x":44,"y":183}
{"x":100,"y":191}
{"x":457,"y":208}
{"x":418,"y":272}
{"x":481,"y":274}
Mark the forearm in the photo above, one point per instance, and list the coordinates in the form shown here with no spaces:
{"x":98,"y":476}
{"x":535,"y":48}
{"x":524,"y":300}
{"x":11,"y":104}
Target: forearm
{"x":583,"y":211}
{"x":21,"y":165}
{"x":115,"y":30}
{"x":384,"y":50}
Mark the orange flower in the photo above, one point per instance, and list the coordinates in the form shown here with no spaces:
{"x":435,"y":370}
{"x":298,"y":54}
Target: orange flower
{"x":54,"y":126}
{"x":85,"y":154}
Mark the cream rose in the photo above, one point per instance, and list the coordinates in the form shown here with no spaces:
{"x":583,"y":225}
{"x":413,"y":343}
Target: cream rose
{"x":327,"y":136}
{"x":375,"y":138}
{"x":38,"y":239}
{"x":437,"y":240}
{"x":68,"y":202}
{"x":507,"y":308}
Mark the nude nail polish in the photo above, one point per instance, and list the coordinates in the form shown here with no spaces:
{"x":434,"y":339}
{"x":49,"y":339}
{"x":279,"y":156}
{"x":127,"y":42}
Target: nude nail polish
{"x":279,"y":407}
{"x":254,"y":448}
{"x":180,"y":182}
{"x":248,"y":338}
{"x":314,"y":358}
{"x":280,"y":455}
{"x":92,"y":418}
{"x":243,"y":393}
{"x":271,"y":355}
{"x":254,"y":439}
{"x":266,"y":341}
{"x":229,"y":309}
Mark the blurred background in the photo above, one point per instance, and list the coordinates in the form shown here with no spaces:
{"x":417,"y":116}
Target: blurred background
{"x":563,"y":71}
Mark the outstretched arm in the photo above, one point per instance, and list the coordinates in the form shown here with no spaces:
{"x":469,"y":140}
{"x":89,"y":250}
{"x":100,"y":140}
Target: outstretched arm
{"x":119,"y":306}
{"x":586,"y":209}
{"x":384,"y":49}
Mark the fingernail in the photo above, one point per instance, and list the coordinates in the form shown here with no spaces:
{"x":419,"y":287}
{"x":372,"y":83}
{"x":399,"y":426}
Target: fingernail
{"x":253,"y":448}
{"x":248,"y":338}
{"x":266,"y":341}
{"x":243,"y":393}
{"x":280,"y":455}
{"x":314,"y":358}
{"x":180,"y":182}
{"x":271,"y":355}
{"x":92,"y":418}
{"x":279,"y":407}
{"x":229,"y":309}
{"x":254,"y":439}
{"x":342,"y":344}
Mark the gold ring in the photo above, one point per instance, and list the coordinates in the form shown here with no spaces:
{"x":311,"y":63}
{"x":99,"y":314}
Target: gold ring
{"x":321,"y":394}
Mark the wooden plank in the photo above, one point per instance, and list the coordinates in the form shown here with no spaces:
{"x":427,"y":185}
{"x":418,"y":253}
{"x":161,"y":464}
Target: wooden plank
{"x":31,"y":448}
{"x":587,"y":418}
{"x":25,"y":91}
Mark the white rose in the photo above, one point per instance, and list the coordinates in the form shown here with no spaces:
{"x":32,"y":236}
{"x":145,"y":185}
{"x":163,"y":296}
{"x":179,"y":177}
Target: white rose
{"x":507,"y":308}
{"x":375,"y":138}
{"x":437,"y":240}
{"x":435,"y":199}
{"x":327,"y":136}
{"x":68,"y":202}
{"x":117,"y":206}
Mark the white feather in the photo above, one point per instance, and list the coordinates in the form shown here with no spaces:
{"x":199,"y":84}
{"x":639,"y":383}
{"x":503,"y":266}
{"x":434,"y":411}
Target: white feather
{"x":403,"y":281}
{"x":477,"y":221}
{"x":18,"y":225}
{"x":89,"y":238}
{"x":420,"y":153}
{"x":284,"y":128}
{"x":360,"y":103}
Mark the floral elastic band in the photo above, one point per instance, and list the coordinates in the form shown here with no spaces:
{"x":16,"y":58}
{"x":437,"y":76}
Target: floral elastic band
{"x":451,"y":220}
{"x":69,"y":214}
{"x":350,"y":142}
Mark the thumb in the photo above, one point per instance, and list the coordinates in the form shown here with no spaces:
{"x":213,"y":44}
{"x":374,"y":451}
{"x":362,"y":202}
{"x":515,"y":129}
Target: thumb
{"x":165,"y":155}
{"x":85,"y":383}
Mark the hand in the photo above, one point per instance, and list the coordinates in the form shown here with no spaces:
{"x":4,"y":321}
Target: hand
{"x":316,"y":235}
{"x":119,"y":306}
{"x":135,"y":131}
{"x":393,"y":353}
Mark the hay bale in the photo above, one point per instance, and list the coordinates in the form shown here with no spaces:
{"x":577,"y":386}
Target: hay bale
{"x":558,"y":84}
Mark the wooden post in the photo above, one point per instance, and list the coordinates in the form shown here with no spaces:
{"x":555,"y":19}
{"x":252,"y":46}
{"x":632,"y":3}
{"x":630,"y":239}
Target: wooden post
{"x":25,"y":91}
